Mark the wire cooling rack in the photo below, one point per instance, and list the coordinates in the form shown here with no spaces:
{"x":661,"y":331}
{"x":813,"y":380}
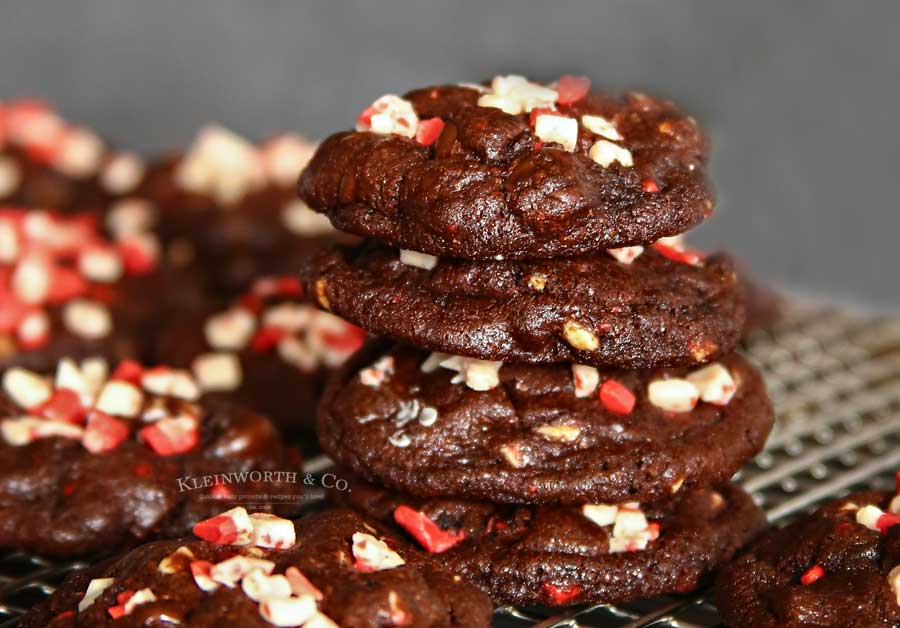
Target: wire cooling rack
{"x":835,"y":381}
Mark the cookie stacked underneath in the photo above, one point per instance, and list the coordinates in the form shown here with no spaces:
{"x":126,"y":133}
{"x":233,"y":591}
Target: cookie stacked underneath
{"x":559,"y":409}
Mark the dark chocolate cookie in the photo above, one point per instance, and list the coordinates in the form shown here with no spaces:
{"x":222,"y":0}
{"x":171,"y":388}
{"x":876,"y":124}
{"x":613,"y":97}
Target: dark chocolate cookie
{"x":232,"y":206}
{"x":516,"y":170}
{"x":323,"y":571}
{"x":837,"y":568}
{"x":653,"y":311}
{"x":269,"y":350}
{"x":47,"y":162}
{"x":520,"y":433}
{"x":555,"y":555}
{"x":90,"y":461}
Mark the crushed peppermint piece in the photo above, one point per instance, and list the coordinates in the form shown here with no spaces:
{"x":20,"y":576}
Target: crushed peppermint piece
{"x":87,"y":319}
{"x":894,"y":582}
{"x":558,"y":129}
{"x":429,"y":131}
{"x":120,"y":398}
{"x":222,"y":165}
{"x":271,"y":531}
{"x":170,"y":382}
{"x":477,"y":374}
{"x":217,"y":372}
{"x":419,"y":260}
{"x":123,"y":173}
{"x":258,"y":586}
{"x":586,"y":379}
{"x":425,"y":531}
{"x":231,"y":330}
{"x":571,"y":89}
{"x":715,"y":384}
{"x":232,"y":570}
{"x":94,"y":588}
{"x":604,"y":153}
{"x":626,"y":254}
{"x":288,"y":611}
{"x":673,"y":395}
{"x":10,"y":176}
{"x":298,"y":218}
{"x":616,"y":398}
{"x":232,"y":527}
{"x":26,"y":388}
{"x":201,"y":571}
{"x":378,"y":373}
{"x":601,"y":126}
{"x":176,"y":561}
{"x":373,"y":554}
{"x":389,"y":115}
{"x":512,"y":453}
{"x":601,"y":514}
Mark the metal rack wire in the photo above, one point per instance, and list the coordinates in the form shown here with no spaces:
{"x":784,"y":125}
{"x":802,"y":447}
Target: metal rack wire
{"x":835,"y":381}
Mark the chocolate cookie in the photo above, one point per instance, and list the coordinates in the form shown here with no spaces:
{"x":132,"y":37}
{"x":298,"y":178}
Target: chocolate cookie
{"x":90,"y":462}
{"x":558,"y":555}
{"x":668,"y":306}
{"x":323,"y":571}
{"x":838,"y":567}
{"x":445,"y":425}
{"x":47,"y":162}
{"x":232,"y":206}
{"x":275,"y":349}
{"x":516,"y":169}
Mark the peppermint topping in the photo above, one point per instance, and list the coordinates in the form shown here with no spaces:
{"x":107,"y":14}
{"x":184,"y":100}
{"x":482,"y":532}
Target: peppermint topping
{"x":477,"y":374}
{"x":626,"y":254}
{"x":425,"y":531}
{"x":284,"y":156}
{"x":674,"y":248}
{"x":216,"y":372}
{"x":80,"y":153}
{"x":586,"y":379}
{"x":715,"y":384}
{"x":673,"y":395}
{"x":271,"y":531}
{"x":389,"y":115}
{"x":812,"y":574}
{"x":47,"y":261}
{"x":515,"y":94}
{"x":84,"y":402}
{"x":601,"y":126}
{"x":130,"y":217}
{"x":298,"y":218}
{"x":605,"y":153}
{"x":222,"y":165}
{"x":232,"y":527}
{"x":616,"y":398}
{"x":373,"y":554}
{"x":630,"y":529}
{"x":558,"y":129}
{"x":419,"y":260}
{"x":94,"y":588}
{"x":129,"y":600}
{"x":122,"y":173}
{"x":378,"y":373}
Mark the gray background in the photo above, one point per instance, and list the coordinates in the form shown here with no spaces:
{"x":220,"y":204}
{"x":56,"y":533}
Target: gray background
{"x":801,"y":98}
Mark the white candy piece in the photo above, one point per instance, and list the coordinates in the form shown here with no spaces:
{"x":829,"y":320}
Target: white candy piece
{"x":320,"y":620}
{"x":601,"y":514}
{"x":419,"y":260}
{"x":715,"y":384}
{"x":102,"y":265}
{"x":202,"y":579}
{"x":242,"y":523}
{"x":894,"y":506}
{"x":26,"y":388}
{"x":170,"y":563}
{"x":24,"y":430}
{"x":272,"y":531}
{"x":504,"y":103}
{"x":288,"y":611}
{"x":87,"y":319}
{"x":291,"y":317}
{"x":217,"y":371}
{"x":477,"y":374}
{"x":869,"y":516}
{"x":94,"y":588}
{"x":557,"y":129}
{"x":300,"y":584}
{"x":232,"y":570}
{"x":143,"y":596}
{"x":34,"y":327}
{"x":31,"y":280}
{"x":80,"y":154}
{"x":513,"y":455}
{"x":296,"y":352}
{"x":586,"y":379}
{"x":392,"y":115}
{"x":130,"y":217}
{"x":122,"y":173}
{"x":120,"y":398}
{"x":529,"y":95}
{"x":626,"y":254}
{"x":378,"y":373}
{"x":373,"y":554}
{"x":230,"y":330}
{"x":604,"y":153}
{"x":69,"y":375}
{"x":433,"y":362}
{"x":601,"y":126}
{"x":629,"y":523}
{"x":673,"y":395}
{"x":221,"y":164}
{"x":9,"y":237}
{"x":10,"y":176}
{"x":170,"y":382}
{"x":284,"y":157}
{"x":893,"y":582}
{"x":300,"y":219}
{"x":257,"y":586}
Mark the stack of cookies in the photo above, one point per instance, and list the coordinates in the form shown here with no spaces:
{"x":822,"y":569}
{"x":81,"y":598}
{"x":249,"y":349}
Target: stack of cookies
{"x":555,"y":407}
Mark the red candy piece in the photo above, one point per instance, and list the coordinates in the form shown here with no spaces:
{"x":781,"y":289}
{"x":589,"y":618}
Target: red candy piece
{"x":649,"y":186}
{"x":349,"y":341}
{"x":169,"y":439}
{"x":429,"y":131}
{"x":426,"y":531}
{"x":560,"y":594}
{"x":219,"y":529}
{"x":572,"y":88}
{"x":289,"y":286}
{"x":66,"y":285}
{"x":685,"y":256}
{"x":138,"y":257}
{"x":812,"y":574}
{"x":63,"y":405}
{"x":887,"y":520}
{"x":12,"y":311}
{"x":616,"y":398}
{"x":128,"y":371}
{"x":143,"y":470}
{"x":119,"y":611}
{"x":221,"y":491}
{"x":267,"y":338}
{"x":103,"y":433}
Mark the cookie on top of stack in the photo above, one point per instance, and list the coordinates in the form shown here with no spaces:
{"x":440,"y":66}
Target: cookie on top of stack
{"x":558,"y":408}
